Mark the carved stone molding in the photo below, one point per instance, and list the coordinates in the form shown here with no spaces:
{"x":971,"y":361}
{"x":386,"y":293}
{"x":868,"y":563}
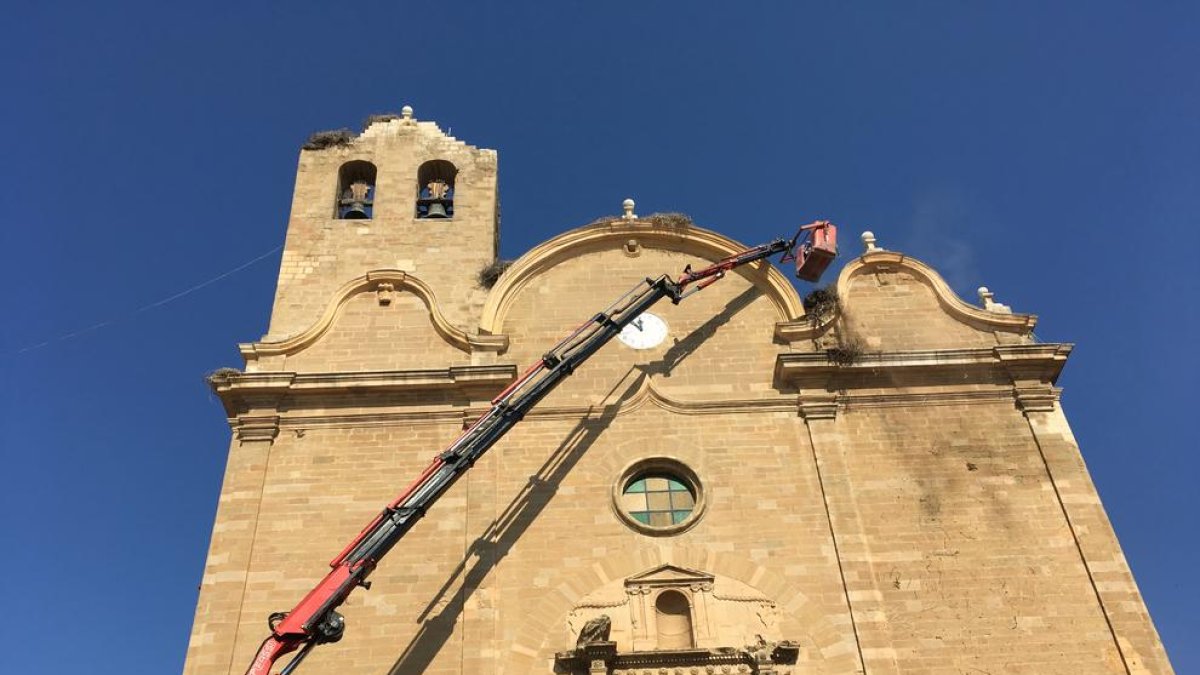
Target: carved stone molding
{"x":818,"y":406}
{"x":241,"y":393}
{"x":801,"y":329}
{"x":645,"y":588}
{"x":384,"y":291}
{"x":385,"y":283}
{"x":669,"y":576}
{"x":1036,"y":363}
{"x":256,"y":427}
{"x":1037,"y":398}
{"x":1034,"y":369}
{"x":735,"y":626}
{"x":765,"y":658}
{"x":1026,"y":372}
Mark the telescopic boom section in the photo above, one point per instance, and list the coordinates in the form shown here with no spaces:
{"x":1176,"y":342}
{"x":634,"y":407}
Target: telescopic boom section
{"x":315,"y":620}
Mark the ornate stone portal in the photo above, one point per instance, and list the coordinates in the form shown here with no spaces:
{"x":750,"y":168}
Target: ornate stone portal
{"x":676,"y":620}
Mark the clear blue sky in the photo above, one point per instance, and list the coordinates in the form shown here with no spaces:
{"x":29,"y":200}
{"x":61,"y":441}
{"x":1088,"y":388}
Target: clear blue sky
{"x":1048,"y":150}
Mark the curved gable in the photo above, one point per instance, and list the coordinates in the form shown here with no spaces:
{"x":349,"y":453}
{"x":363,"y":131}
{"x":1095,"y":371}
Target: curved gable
{"x":719,"y":342}
{"x":383,"y":320}
{"x":892,"y":302}
{"x":688,"y":240}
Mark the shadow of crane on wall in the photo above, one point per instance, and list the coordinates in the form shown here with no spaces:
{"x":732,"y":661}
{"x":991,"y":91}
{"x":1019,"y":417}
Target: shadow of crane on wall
{"x":684,"y":347}
{"x":482,"y":556}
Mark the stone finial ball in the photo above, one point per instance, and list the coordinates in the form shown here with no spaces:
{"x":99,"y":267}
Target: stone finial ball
{"x":407,"y":112}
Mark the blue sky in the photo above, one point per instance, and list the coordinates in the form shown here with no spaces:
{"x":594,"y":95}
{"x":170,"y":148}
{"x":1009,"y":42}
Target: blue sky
{"x":1050,"y":151}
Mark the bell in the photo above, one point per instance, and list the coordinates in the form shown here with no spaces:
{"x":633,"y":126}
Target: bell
{"x":437,"y":210}
{"x":355,"y":211}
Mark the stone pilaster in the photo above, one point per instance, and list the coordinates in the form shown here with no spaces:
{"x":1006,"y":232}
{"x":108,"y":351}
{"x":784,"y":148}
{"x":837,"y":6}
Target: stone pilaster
{"x":1135,"y":641}
{"x":213,"y":643}
{"x":819,"y":411}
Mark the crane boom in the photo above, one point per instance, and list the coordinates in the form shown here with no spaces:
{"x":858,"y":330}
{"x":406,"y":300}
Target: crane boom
{"x":314,"y":620}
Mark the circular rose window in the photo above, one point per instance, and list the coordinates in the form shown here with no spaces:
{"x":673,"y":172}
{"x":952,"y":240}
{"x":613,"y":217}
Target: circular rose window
{"x":658,"y":496}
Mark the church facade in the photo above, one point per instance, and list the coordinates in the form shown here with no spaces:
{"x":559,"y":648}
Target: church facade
{"x":880,"y":480}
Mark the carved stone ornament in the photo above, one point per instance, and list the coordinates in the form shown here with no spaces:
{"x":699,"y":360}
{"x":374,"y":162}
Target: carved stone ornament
{"x":596,"y":630}
{"x":384,"y":292}
{"x":256,"y":427}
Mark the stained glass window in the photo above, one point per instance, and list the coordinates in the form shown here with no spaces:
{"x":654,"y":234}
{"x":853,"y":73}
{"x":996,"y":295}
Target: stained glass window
{"x":658,"y":499}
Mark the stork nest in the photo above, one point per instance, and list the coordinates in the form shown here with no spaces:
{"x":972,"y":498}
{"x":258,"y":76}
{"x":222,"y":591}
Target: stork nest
{"x":221,"y":376}
{"x":821,"y":303}
{"x":336,"y":138}
{"x":654,"y":220}
{"x":490,"y":274}
{"x":668,"y":219}
{"x":847,"y":353}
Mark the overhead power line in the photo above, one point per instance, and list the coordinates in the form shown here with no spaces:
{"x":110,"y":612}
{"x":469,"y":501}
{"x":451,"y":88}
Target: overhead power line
{"x":70,"y":335}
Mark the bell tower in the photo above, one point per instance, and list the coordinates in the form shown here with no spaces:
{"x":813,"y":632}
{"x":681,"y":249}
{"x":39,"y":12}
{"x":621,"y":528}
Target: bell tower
{"x":403,"y":196}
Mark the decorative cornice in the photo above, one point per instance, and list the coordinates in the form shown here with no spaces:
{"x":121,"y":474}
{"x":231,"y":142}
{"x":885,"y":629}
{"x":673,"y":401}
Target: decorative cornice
{"x":818,"y":406}
{"x":817,"y":370}
{"x":359,"y":420}
{"x":255,"y":427}
{"x":667,"y":575}
{"x":690,"y":239}
{"x":384,"y":283}
{"x":822,"y":384}
{"x":1034,"y":369}
{"x":1037,"y":363}
{"x":241,"y":391}
{"x":382,"y":380}
{"x":1024,"y":372}
{"x":801,"y":329}
{"x":1037,"y":398}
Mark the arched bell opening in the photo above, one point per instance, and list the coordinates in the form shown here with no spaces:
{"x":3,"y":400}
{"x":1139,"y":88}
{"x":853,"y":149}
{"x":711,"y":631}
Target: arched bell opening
{"x":356,"y":191}
{"x":673,"y":616}
{"x":435,"y":189}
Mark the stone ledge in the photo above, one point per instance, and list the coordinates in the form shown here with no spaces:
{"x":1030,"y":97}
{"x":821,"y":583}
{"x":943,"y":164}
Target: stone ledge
{"x":1024,"y":373}
{"x":604,"y":657}
{"x":1018,"y":363}
{"x":240,"y":392}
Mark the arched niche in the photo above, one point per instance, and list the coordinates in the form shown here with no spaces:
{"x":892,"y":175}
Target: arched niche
{"x":435,"y":189}
{"x":356,"y":191}
{"x":673,"y":621}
